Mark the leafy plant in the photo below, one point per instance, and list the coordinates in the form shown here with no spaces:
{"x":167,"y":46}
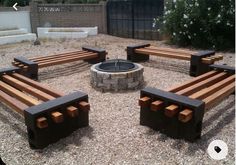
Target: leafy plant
{"x":199,"y":23}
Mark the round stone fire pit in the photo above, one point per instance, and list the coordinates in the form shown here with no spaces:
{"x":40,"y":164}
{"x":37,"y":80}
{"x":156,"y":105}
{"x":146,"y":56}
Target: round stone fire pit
{"x":117,"y":75}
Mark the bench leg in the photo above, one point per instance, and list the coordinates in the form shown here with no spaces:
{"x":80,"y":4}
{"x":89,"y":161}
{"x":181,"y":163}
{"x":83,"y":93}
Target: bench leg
{"x":32,"y":68}
{"x":101,"y":54}
{"x":40,"y":137}
{"x":197,"y":67}
{"x":172,"y":126}
{"x":136,"y":57}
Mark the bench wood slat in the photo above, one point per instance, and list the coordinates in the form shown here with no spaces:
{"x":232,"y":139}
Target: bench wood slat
{"x":72,"y":111}
{"x":144,"y":101}
{"x":203,"y":84}
{"x":212,"y":59}
{"x":181,"y":52}
{"x":61,"y":54}
{"x":206,"y":92}
{"x":192,"y":81}
{"x":37,"y":85}
{"x":13,"y":103}
{"x":27,"y":88}
{"x":214,"y":99}
{"x":18,"y":94}
{"x":207,"y":61}
{"x":196,"y":87}
{"x":156,"y":105}
{"x":46,"y":64}
{"x":185,"y":115}
{"x":163,"y":54}
{"x":171,"y":110}
{"x":62,"y":57}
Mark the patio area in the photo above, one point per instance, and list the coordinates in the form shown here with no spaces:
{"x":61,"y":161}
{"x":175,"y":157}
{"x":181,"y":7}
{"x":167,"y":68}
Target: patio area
{"x":114,"y":135}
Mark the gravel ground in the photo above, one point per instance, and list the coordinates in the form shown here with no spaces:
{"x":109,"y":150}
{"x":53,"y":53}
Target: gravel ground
{"x":114,"y":135}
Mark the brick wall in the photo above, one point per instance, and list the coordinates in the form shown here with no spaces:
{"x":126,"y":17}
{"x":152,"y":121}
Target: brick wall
{"x":68,"y":15}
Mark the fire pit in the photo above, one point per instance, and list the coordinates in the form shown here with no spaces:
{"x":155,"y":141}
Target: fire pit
{"x":117,"y":75}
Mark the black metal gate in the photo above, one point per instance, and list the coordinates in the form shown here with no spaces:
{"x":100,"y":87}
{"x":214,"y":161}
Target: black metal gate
{"x":133,"y":18}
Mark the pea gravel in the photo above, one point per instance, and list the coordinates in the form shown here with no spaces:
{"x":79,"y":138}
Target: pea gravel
{"x":114,"y":135}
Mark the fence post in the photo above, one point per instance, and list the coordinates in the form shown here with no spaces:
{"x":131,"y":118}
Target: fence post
{"x":34,"y":15}
{"x":104,"y":16}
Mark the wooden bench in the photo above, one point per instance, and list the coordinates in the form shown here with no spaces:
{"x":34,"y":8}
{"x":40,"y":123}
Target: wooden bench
{"x":49,"y":115}
{"x":199,"y":61}
{"x":178,"y":112}
{"x":30,"y":66}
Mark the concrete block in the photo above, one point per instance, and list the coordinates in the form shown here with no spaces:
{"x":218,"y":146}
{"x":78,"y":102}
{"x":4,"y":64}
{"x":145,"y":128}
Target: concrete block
{"x":17,"y":38}
{"x":118,"y":75}
{"x":13,"y":32}
{"x":63,"y":32}
{"x":111,"y":81}
{"x":133,"y":84}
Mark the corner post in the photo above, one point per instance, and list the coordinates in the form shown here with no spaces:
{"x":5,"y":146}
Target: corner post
{"x":136,"y":57}
{"x":101,"y":54}
{"x":32,"y":67}
{"x":197,"y":67}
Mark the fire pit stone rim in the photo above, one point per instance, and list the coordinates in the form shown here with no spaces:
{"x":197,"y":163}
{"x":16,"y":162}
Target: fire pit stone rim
{"x":117,"y":81}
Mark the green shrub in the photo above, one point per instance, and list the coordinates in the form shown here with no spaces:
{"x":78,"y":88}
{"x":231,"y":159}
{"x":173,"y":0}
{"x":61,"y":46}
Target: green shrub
{"x":199,"y":23}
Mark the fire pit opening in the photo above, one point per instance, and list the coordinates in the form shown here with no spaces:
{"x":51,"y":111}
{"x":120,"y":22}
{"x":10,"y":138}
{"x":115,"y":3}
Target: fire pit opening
{"x":117,"y":75}
{"x":117,"y":65}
